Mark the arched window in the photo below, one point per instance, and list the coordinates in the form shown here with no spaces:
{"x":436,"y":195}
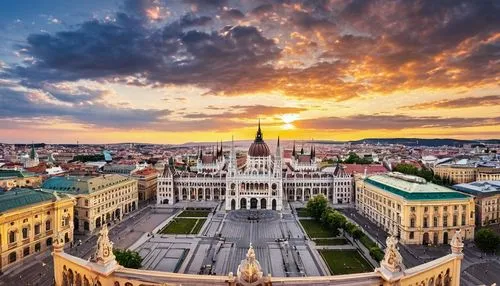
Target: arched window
{"x":25,"y":232}
{"x":47,"y":225}
{"x":12,"y":236}
{"x":12,"y":257}
{"x":128,"y":284}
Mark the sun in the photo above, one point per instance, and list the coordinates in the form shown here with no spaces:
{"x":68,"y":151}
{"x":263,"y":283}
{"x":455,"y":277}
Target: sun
{"x":289,"y":118}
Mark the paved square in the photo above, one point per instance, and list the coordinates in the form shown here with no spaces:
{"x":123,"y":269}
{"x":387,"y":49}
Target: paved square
{"x":223,"y":242}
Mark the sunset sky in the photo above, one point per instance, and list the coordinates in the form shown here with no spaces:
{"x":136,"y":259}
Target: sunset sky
{"x":172,"y":71}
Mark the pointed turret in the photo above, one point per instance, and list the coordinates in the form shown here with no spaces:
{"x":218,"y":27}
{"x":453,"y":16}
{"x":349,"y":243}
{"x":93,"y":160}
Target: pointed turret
{"x":302,"y":150}
{"x":221,"y":151}
{"x":33,"y":152}
{"x":258,"y":137}
{"x":293,"y":150}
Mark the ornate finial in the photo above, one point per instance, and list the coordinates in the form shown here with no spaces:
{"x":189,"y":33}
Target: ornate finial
{"x":59,"y":242}
{"x":278,"y":141}
{"x":104,"y":253}
{"x":392,"y":258}
{"x":457,"y":244}
{"x":249,"y":270}
{"x":258,"y":137}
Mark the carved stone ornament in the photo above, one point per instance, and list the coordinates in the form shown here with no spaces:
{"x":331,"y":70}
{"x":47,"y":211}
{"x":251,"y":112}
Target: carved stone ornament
{"x":104,"y":253}
{"x":249,"y":270}
{"x":457,"y":244}
{"x":392,"y":258}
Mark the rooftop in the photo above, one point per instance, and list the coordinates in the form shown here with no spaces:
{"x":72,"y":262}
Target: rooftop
{"x":21,"y":197}
{"x":479,"y":188}
{"x":412,"y":187}
{"x":15,"y":174}
{"x":83,"y":184}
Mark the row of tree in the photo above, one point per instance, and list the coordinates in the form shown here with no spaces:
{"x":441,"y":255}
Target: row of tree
{"x":318,"y":208}
{"x":427,"y":174}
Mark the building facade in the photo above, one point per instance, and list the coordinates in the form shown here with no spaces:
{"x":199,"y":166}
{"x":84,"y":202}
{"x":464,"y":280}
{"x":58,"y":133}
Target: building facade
{"x":456,"y":174}
{"x":29,"y":221}
{"x":18,"y":179}
{"x":104,"y":270}
{"x":147,"y":183}
{"x":486,"y":198}
{"x":262,"y":181}
{"x":423,"y":213}
{"x":99,"y":200}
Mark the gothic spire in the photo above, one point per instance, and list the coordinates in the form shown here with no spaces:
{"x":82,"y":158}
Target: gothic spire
{"x":293,"y":150}
{"x":258,"y":137}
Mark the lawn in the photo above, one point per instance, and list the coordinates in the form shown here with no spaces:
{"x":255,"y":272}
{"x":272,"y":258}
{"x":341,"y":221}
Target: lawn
{"x":193,"y":213}
{"x":302,"y":213}
{"x":183,"y":226}
{"x":345,"y":261}
{"x":333,"y":241}
{"x":315,"y":229}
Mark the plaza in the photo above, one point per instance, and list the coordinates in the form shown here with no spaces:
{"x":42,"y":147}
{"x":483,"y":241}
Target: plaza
{"x":279,"y":242}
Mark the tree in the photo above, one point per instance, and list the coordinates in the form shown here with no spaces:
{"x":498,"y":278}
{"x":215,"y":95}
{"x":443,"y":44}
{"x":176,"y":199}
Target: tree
{"x":128,"y":258}
{"x":317,"y":206}
{"x":487,"y":240}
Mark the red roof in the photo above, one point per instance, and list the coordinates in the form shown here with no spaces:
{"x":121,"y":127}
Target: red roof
{"x":360,"y":168}
{"x":146,"y":172}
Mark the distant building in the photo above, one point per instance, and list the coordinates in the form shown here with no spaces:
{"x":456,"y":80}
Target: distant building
{"x":147,"y":180}
{"x":123,"y":169}
{"x":456,"y":174}
{"x":30,"y":221}
{"x":487,"y":200}
{"x":19,"y":179}
{"x":259,"y":180}
{"x":31,"y":160}
{"x":99,"y":200}
{"x":424,"y":213}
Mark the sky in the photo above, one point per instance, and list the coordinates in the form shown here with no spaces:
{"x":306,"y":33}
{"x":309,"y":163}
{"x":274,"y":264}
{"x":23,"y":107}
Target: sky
{"x":173,"y":71}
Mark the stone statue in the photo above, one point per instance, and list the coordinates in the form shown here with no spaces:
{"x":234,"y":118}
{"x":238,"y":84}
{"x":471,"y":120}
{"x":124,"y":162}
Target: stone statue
{"x":104,"y":253}
{"x":392,"y":258}
{"x":249,"y":270}
{"x":457,"y":244}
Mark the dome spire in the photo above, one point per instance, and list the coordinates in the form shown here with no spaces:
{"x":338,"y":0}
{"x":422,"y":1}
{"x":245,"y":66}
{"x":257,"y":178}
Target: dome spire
{"x":258,"y":137}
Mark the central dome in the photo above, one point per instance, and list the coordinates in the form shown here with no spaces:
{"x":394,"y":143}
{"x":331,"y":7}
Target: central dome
{"x":259,"y":148}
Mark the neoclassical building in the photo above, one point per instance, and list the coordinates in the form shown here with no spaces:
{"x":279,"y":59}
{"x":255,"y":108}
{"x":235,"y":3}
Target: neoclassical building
{"x":423,"y":213}
{"x":262,"y":181}
{"x":99,"y":199}
{"x":104,"y":270}
{"x":29,"y":221}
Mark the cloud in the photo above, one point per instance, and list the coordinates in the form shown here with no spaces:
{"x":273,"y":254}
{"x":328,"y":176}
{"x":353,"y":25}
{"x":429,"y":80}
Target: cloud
{"x":481,"y":101}
{"x":392,"y":122}
{"x":246,"y":112}
{"x":19,"y":102}
{"x":347,"y":49}
{"x":232,"y":14}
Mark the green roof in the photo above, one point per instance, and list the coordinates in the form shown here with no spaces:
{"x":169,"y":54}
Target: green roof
{"x":413,"y":191}
{"x":21,"y":197}
{"x":15,"y":173}
{"x":83,"y":185}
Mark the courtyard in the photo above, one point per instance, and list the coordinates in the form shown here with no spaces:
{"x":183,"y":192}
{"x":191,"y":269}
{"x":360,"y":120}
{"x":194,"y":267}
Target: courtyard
{"x":215,"y":242}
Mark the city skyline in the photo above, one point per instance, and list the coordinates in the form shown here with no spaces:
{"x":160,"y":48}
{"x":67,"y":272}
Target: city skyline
{"x":153,"y":71}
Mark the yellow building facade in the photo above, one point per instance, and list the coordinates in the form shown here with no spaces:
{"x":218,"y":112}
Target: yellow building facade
{"x":99,"y":200}
{"x":29,"y":221}
{"x":104,"y":270}
{"x":424,"y":213}
{"x":456,"y":174}
{"x":147,"y":183}
{"x":10,"y":179}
